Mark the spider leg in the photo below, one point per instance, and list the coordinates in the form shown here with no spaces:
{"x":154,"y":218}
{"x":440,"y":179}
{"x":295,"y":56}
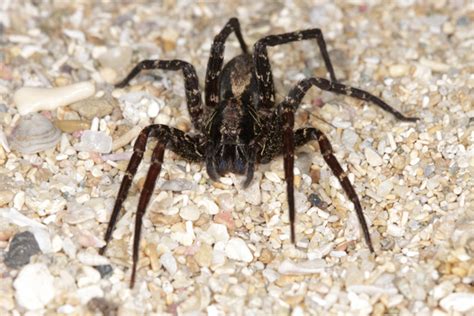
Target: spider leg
{"x":188,"y":147}
{"x":216,"y":59}
{"x":191,"y":84}
{"x":298,"y":92}
{"x":262,"y":64}
{"x":304,"y":135}
{"x":288,"y":107}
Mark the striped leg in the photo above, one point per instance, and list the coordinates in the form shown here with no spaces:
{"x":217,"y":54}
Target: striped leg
{"x":216,"y":60}
{"x":298,"y":92}
{"x":263,"y":69}
{"x":191,"y":84}
{"x":304,"y":135}
{"x":189,"y":147}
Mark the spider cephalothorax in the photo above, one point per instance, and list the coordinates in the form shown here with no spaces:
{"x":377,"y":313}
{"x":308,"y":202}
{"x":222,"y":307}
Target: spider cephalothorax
{"x":239,"y":125}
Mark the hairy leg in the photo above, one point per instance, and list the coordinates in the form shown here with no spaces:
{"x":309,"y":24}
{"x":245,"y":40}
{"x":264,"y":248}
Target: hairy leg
{"x":191,"y":84}
{"x":189,"y":147}
{"x":216,"y":60}
{"x":290,"y":139}
{"x":263,"y":69}
{"x":304,"y":135}
{"x":295,"y":96}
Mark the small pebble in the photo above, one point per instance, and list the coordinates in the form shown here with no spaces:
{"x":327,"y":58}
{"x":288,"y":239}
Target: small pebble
{"x":253,"y":194}
{"x":372,"y":157}
{"x":169,"y":262}
{"x":92,"y":141}
{"x":116,"y":58}
{"x":85,"y":294}
{"x":178,"y":185}
{"x":101,"y":306}
{"x":29,"y":99}
{"x":203,"y":256}
{"x":88,"y":276}
{"x":398,"y":70}
{"x":237,"y":249}
{"x":93,"y":107}
{"x":349,"y":138}
{"x":105,"y":270}
{"x":22,"y":247}
{"x":459,"y":302}
{"x":315,"y":200}
{"x":34,"y":286}
{"x":304,"y":267}
{"x":266,"y":256}
{"x":190,"y":213}
{"x":218,"y":232}
{"x":5,"y":197}
{"x":71,"y":126}
{"x":126,"y":138}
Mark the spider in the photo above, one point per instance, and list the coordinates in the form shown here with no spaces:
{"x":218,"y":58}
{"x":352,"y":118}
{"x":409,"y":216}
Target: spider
{"x":239,"y":125}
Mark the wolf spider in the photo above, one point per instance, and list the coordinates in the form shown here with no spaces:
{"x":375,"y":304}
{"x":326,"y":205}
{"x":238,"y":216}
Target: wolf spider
{"x":239,"y":125}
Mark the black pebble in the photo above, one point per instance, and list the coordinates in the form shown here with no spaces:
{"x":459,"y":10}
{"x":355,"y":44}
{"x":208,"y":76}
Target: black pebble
{"x":22,"y":247}
{"x":315,"y":200}
{"x":104,"y":270}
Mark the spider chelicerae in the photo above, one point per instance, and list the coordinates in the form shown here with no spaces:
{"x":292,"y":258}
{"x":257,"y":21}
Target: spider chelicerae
{"x":239,"y":124}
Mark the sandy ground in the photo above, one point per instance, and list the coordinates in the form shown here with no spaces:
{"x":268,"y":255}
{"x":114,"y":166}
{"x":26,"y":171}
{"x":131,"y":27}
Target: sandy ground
{"x":215,"y":248}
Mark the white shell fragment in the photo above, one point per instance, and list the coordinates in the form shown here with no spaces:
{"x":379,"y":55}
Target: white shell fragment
{"x":459,"y":302}
{"x":305,"y":267}
{"x":29,"y":99}
{"x":237,"y":249}
{"x":34,"y":286}
{"x":34,"y":133}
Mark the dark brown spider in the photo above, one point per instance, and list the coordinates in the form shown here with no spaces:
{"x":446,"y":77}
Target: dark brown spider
{"x":239,"y":125}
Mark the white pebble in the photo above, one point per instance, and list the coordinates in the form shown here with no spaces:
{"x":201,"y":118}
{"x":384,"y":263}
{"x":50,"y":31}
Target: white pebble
{"x":358,"y":303}
{"x":95,"y":141}
{"x":237,"y":249}
{"x":218,"y":254}
{"x":218,"y":232}
{"x":349,"y":138}
{"x":92,"y":259}
{"x":398,"y":70}
{"x":304,"y":267}
{"x":34,"y":286}
{"x":190,"y":213}
{"x":185,"y":238}
{"x":459,"y":302}
{"x":395,"y":230}
{"x":372,"y":157}
{"x":272,"y":176}
{"x":384,"y":188}
{"x":88,"y":276}
{"x":19,"y":200}
{"x":87,"y":293}
{"x":29,"y":99}
{"x":126,"y":138}
{"x":270,"y":275}
{"x":252,"y":193}
{"x":153,"y":109}
{"x":66,"y":309}
{"x":116,"y":58}
{"x":169,"y":262}
{"x":209,"y":205}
